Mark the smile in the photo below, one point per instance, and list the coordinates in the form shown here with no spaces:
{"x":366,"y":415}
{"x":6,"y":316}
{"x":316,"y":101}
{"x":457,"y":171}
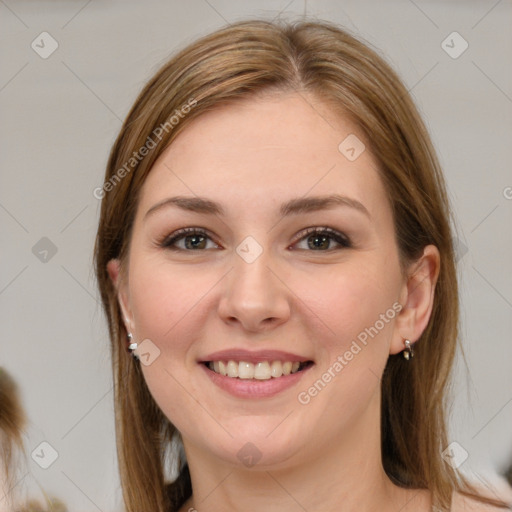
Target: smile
{"x":253,"y":374}
{"x":262,"y":370}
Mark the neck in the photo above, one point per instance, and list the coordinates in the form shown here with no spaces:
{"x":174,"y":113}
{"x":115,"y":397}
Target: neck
{"x":345,"y":474}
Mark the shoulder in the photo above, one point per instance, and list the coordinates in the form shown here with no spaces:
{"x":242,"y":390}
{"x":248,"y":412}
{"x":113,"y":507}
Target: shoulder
{"x":462,"y":503}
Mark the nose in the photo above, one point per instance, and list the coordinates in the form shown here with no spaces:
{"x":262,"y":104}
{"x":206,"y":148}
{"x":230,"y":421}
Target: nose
{"x":254,"y":296}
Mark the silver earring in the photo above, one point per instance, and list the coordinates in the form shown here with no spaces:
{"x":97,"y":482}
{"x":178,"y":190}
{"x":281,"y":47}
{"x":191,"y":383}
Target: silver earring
{"x":132,"y":346}
{"x":408,"y":352}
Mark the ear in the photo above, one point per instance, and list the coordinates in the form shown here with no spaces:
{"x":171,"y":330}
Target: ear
{"x":115,"y":274}
{"x":417,"y":299}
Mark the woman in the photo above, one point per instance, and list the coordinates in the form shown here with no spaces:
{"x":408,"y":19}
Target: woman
{"x":274,"y":249}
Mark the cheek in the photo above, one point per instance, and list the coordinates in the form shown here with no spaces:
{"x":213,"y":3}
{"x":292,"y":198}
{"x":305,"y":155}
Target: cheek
{"x":168,"y":310}
{"x":352,"y":302}
{"x":356,"y":308}
{"x":170,"y":306}
{"x":165,"y":297}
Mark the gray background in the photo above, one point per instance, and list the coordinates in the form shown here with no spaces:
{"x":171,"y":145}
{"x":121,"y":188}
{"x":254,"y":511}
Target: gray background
{"x":60,"y":117}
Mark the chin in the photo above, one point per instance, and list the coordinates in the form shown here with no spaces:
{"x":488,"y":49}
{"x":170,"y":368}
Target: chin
{"x":259,"y":442}
{"x":257,"y":454}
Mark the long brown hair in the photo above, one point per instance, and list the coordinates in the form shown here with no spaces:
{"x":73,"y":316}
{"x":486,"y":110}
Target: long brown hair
{"x":321,"y":59}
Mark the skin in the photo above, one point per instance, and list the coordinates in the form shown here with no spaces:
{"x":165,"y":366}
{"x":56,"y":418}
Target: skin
{"x":251,"y":157}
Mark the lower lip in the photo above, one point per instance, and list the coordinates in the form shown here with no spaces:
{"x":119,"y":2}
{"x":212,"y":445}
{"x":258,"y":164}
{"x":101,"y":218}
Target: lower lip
{"x":253,"y":388}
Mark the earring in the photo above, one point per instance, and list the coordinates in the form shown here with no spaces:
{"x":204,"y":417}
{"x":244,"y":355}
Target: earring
{"x":132,"y":346}
{"x":408,"y":352}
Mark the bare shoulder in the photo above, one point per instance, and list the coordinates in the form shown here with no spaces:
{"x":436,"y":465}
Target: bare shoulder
{"x":461,"y":503}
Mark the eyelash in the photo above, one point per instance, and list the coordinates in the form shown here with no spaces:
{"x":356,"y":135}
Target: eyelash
{"x":340,"y":238}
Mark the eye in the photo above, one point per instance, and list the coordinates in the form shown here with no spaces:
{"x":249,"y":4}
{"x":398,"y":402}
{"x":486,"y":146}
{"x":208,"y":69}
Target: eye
{"x":197,"y":239}
{"x":194,"y":239}
{"x":320,"y":239}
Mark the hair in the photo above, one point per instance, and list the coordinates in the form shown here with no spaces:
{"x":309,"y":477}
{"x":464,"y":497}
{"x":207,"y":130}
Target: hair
{"x":12,"y":420}
{"x":323,"y":61}
{"x":12,"y":423}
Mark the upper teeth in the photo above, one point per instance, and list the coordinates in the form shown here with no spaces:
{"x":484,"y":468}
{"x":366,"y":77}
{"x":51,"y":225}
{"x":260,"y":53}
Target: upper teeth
{"x":261,"y":371}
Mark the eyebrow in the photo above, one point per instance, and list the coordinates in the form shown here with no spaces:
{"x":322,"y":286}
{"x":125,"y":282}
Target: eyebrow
{"x":292,"y":207}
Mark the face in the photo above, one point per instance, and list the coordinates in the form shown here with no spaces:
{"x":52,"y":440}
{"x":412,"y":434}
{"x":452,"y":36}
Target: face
{"x":279,"y":256}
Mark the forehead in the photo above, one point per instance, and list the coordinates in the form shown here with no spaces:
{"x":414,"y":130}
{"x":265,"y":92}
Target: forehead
{"x":265,"y":150}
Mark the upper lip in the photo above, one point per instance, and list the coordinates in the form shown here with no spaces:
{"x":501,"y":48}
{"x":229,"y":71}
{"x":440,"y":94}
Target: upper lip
{"x":253,"y":356}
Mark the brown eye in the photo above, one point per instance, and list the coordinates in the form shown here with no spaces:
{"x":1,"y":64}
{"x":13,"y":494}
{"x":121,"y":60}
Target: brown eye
{"x":319,"y":241}
{"x":195,"y":241}
{"x":322,"y":239}
{"x":188,"y":239}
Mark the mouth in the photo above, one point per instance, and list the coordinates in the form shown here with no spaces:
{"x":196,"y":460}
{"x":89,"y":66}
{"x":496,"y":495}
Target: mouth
{"x":262,"y":370}
{"x":249,"y":375}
